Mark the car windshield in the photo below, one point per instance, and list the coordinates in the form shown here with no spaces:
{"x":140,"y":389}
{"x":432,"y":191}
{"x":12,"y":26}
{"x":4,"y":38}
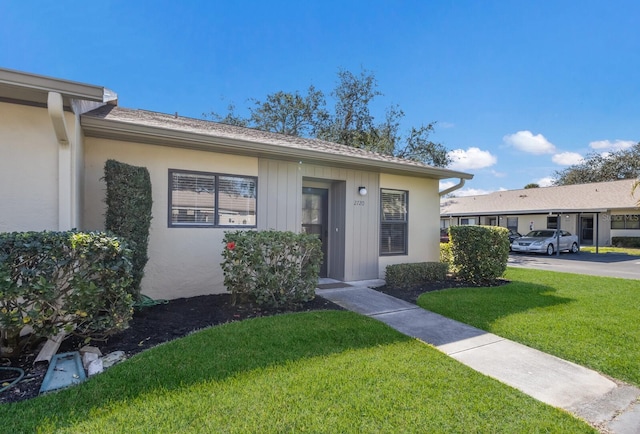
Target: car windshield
{"x":541,"y":234}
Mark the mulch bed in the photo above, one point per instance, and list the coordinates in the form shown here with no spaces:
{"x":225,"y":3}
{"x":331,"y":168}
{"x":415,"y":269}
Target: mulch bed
{"x":177,"y":318}
{"x":411,"y":294}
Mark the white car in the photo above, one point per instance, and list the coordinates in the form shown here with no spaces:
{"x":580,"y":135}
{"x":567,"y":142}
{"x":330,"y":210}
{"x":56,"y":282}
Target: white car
{"x":546,"y":241}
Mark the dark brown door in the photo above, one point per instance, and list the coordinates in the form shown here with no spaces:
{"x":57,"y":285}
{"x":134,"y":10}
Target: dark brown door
{"x":315,"y":218}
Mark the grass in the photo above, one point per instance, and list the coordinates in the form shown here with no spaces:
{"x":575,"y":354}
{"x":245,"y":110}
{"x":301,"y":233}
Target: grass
{"x":624,"y":250}
{"x":309,"y":372}
{"x":592,"y":321}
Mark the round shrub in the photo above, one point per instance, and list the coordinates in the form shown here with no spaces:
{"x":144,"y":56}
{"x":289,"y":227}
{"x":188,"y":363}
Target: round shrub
{"x":479,"y":254}
{"x":63,"y":281}
{"x":271,"y":268}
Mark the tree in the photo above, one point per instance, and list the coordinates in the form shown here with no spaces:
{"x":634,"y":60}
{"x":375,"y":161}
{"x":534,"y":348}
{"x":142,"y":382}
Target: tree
{"x":418,"y":147}
{"x":624,"y":164}
{"x":532,"y":185}
{"x":231,"y":118}
{"x":351,"y":122}
{"x":290,"y":113}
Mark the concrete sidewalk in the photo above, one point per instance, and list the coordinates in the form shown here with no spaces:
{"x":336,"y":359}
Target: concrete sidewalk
{"x":610,"y":406}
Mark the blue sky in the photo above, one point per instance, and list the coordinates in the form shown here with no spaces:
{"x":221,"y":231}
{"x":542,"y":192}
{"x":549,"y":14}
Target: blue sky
{"x":519,"y":88}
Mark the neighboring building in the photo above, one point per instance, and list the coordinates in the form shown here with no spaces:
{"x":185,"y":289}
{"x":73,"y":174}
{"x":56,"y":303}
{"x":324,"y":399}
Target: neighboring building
{"x":56,"y":135}
{"x":596,"y":212}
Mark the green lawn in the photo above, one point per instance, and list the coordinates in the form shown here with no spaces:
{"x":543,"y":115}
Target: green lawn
{"x":626,"y":251}
{"x":592,"y":321}
{"x":332,"y":371}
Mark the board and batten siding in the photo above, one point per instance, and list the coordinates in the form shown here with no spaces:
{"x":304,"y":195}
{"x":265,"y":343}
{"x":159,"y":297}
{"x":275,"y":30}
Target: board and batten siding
{"x":279,"y":196}
{"x":362,"y":219}
{"x":280,"y":207}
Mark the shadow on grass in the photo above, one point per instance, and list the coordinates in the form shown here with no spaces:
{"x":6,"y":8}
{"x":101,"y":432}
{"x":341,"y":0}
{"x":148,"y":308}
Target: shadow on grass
{"x":481,"y":307}
{"x":602,"y":257}
{"x":209,"y":355}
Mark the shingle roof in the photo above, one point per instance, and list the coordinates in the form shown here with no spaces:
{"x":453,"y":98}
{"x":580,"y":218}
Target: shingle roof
{"x":269,"y":142}
{"x":598,"y":196}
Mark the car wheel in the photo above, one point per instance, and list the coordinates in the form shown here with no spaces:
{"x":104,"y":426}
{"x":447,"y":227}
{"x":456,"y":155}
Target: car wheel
{"x":575,"y":248}
{"x":550,"y":249}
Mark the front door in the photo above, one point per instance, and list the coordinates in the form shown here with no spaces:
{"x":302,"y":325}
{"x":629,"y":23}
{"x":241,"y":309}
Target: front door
{"x":586,"y":231}
{"x":315,"y":218}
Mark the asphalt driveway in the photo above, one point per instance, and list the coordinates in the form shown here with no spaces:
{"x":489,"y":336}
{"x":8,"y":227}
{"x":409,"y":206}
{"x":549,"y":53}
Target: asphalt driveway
{"x":601,"y":264}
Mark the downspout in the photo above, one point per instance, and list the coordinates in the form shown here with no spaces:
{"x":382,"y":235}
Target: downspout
{"x":56,"y":113}
{"x":454,"y":188}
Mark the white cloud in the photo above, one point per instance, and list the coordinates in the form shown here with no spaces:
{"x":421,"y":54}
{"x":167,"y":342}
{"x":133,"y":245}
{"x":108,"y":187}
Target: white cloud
{"x":446,"y":124}
{"x":472,"y":158}
{"x":545,"y":182}
{"x":498,"y":174}
{"x":527,"y":142}
{"x":567,"y":158}
{"x":462,"y":192}
{"x":616,"y":145}
{"x":470,"y":192}
{"x":446,"y":184}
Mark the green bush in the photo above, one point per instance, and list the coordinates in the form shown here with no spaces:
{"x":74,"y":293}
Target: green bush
{"x":271,"y":268}
{"x":63,"y":281}
{"x":445,"y":253}
{"x":408,"y":275}
{"x":479,"y":254}
{"x":128,"y":213}
{"x":628,"y":242}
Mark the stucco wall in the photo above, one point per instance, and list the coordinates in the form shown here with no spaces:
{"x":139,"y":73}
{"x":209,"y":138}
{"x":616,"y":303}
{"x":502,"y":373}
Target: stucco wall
{"x":424,"y":220}
{"x":183,"y":262}
{"x":29,"y":185}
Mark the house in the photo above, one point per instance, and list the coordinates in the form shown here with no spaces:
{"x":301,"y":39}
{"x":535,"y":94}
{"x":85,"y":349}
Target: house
{"x":370,"y":210}
{"x":596,"y":212}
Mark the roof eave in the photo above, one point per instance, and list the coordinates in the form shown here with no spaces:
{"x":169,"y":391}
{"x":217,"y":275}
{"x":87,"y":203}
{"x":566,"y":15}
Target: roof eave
{"x":39,"y":85}
{"x":444,"y":213}
{"x":112,"y":129}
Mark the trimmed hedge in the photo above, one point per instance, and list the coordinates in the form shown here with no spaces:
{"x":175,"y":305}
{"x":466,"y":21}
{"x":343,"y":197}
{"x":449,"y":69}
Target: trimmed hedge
{"x":479,"y":254}
{"x":408,"y":275}
{"x":445,"y":253}
{"x":629,"y":242}
{"x":128,"y":213}
{"x":63,"y":281}
{"x":271,"y":268}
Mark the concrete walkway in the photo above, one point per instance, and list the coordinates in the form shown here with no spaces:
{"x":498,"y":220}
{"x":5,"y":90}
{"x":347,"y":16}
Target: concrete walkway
{"x":611,"y":406}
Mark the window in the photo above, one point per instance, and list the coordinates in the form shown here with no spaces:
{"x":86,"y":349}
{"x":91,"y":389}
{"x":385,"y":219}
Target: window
{"x":468,"y":221}
{"x":198,"y":199}
{"x":626,"y":221}
{"x":552,"y":222}
{"x":512,"y":223}
{"x":394,"y":206}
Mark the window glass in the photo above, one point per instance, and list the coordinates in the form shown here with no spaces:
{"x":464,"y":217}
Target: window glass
{"x":617,"y":222}
{"x":192,"y":199}
{"x":393,"y":222}
{"x":206,"y":199}
{"x":236,"y":201}
{"x":632,"y":221}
